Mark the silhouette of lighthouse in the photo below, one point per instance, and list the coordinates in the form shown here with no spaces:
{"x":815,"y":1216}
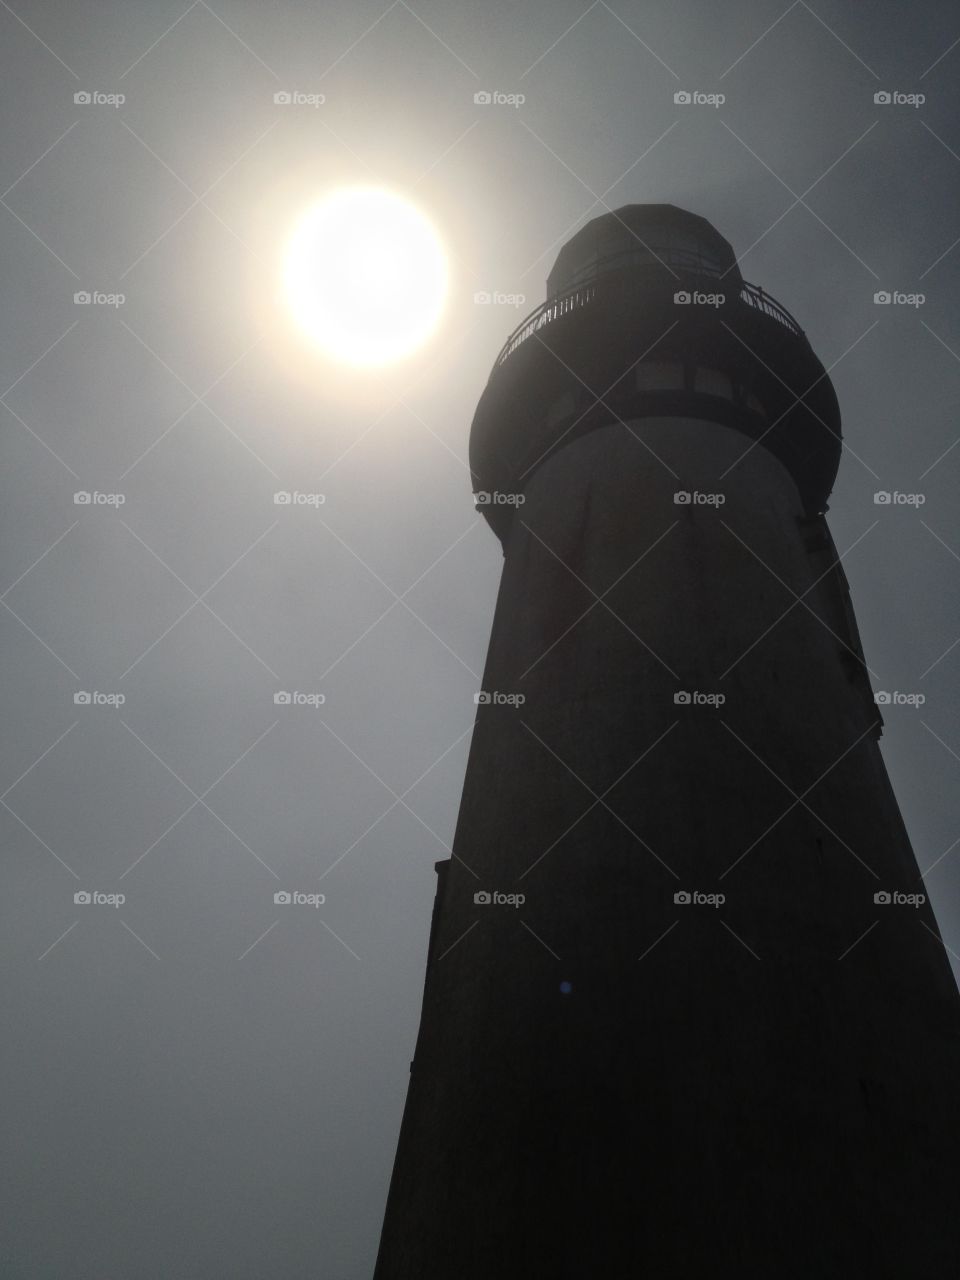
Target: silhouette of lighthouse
{"x":686,"y":1009}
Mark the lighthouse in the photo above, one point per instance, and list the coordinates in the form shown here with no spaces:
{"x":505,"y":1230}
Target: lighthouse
{"x":686,"y":1008}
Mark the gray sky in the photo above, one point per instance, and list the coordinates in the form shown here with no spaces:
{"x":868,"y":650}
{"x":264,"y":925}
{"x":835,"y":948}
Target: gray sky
{"x":201,"y":1083}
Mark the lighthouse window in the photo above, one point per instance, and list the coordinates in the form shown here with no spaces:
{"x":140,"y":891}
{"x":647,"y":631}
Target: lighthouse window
{"x":660,"y":375}
{"x":754,"y":404}
{"x":714,"y":383}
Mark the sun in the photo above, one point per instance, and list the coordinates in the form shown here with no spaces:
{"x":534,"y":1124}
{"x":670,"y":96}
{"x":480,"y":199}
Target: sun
{"x":365,"y":276}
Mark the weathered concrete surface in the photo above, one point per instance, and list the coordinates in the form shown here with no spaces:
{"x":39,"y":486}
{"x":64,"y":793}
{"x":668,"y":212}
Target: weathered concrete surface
{"x":762,"y":1088}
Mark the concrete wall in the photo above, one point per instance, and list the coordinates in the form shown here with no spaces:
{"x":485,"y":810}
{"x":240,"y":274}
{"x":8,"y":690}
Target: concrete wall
{"x":737,"y":1086}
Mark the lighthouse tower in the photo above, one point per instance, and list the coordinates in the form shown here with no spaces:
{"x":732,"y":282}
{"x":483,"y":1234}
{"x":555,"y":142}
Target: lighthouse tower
{"x":686,"y":1010}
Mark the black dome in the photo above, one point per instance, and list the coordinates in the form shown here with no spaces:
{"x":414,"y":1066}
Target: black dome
{"x":639,"y":234}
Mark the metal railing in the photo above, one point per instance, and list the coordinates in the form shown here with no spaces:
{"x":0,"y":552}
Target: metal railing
{"x":755,"y":297}
{"x":550,"y":310}
{"x":583,"y":294}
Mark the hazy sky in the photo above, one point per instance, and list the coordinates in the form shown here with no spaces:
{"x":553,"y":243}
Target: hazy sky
{"x":201,"y":1083}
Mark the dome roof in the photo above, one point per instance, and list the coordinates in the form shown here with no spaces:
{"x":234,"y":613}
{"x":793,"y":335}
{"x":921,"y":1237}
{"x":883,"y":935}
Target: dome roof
{"x":643,"y":235}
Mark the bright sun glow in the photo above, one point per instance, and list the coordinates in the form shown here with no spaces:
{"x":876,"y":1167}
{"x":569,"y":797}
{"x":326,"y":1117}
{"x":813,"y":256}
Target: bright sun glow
{"x":365,"y":276}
